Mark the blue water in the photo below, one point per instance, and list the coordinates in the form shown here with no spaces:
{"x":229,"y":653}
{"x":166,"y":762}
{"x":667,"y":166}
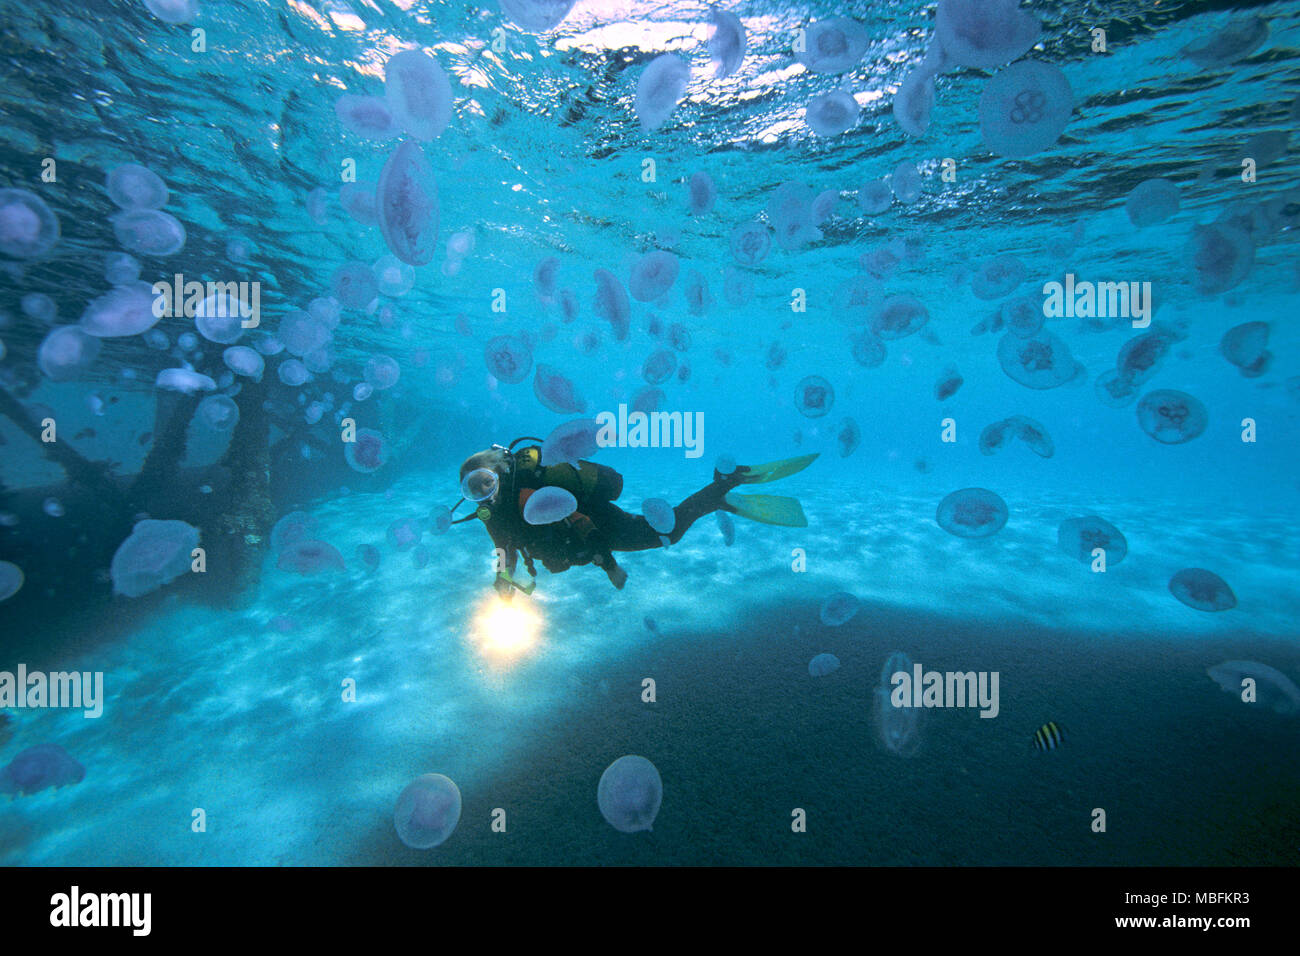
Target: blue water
{"x":231,"y":691}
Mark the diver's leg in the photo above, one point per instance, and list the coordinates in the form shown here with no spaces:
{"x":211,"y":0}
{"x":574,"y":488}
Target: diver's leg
{"x":621,"y":531}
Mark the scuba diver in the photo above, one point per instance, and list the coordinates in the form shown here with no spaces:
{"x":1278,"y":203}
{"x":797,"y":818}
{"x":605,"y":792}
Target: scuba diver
{"x":501,"y":480}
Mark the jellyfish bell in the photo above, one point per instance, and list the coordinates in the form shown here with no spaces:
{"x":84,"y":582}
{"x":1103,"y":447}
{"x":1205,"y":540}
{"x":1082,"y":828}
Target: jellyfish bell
{"x":1202,"y":590}
{"x":972,"y":513}
{"x":630,"y":793}
{"x":1171,"y":417}
{"x":661,"y":87}
{"x":427,"y":811}
{"x":833,"y":45}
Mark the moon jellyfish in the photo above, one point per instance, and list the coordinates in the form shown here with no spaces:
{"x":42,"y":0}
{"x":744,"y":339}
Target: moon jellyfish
{"x":403,"y":534}
{"x":899,"y":316}
{"x":66,"y":352}
{"x":839,"y":609}
{"x":418,"y":94}
{"x":823,"y":664}
{"x":185,"y":380}
{"x":1152,"y":201}
{"x":949,"y":381}
{"x":833,"y":113}
{"x":898,"y":726}
{"x":750,"y":243}
{"x":914,"y":103}
{"x":27,"y":227}
{"x":367,"y":116}
{"x":369,"y":556}
{"x":737,"y":288}
{"x":1203,"y":590}
{"x":393,"y":277}
{"x":1232,"y":43}
{"x":316,"y":205}
{"x":1025,"y":108}
{"x":727,"y":527}
{"x":120,"y":268}
{"x":132,"y":186}
{"x":556,"y":392}
{"x":536,"y":16}
{"x":382,"y":372}
{"x":368,"y":453}
{"x":1080,"y":537}
{"x":508,"y":359}
{"x":659,"y":515}
{"x":354,"y":285}
{"x":407,"y":199}
{"x":823,"y":207}
{"x":875,"y":197}
{"x":427,"y":811}
{"x":1171,"y":417}
{"x":1272,"y":688}
{"x":1246,"y":346}
{"x":790,"y":211}
{"x":218,"y":318}
{"x":661,"y":87}
{"x":813,"y":396}
{"x":653,"y":275}
{"x":726,"y":42}
{"x":629,"y":794}
{"x":994,"y":437}
{"x":548,"y":505}
{"x":905,"y":181}
{"x":984,"y":33}
{"x":173,"y":11}
{"x":310,"y":557}
{"x":149,"y":232}
{"x":612,"y":303}
{"x":848,"y":438}
{"x":1221,"y":256}
{"x":38,"y":768}
{"x":832,"y":46}
{"x":544,"y":276}
{"x":998,"y":277}
{"x":155,"y":553}
{"x":301,"y":334}
{"x":572,"y":441}
{"x":1041,"y":362}
{"x":123,"y":310}
{"x":701,"y":193}
{"x":11,"y":579}
{"x":217,"y":413}
{"x":1114,"y":389}
{"x":972,"y":513}
{"x":868,"y":351}
{"x":359,"y":201}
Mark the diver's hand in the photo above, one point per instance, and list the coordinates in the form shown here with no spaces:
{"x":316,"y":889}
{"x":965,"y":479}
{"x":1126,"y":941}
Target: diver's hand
{"x":503,"y":587}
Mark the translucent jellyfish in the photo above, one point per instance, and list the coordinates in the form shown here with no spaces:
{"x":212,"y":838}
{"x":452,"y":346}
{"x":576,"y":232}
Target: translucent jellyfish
{"x":659,"y":515}
{"x":354,"y":285}
{"x":823,"y":664}
{"x":184,"y":380}
{"x":588,"y":342}
{"x":369,"y":556}
{"x":571,"y":442}
{"x":949,"y":381}
{"x":536,"y":16}
{"x":556,"y":392}
{"x":38,"y":768}
{"x":1232,"y":43}
{"x":1022,"y":316}
{"x":612,"y":303}
{"x":319,"y":361}
{"x":750,"y":243}
{"x":661,"y":87}
{"x":1203,"y":590}
{"x":382,"y":372}
{"x":737,"y":288}
{"x":839,"y":609}
{"x":1079,"y":537}
{"x":53,"y":507}
{"x":219,"y":318}
{"x":832,"y":46}
{"x":899,"y":317}
{"x":701,"y":194}
{"x":368,"y":453}
{"x":544,"y":276}
{"x":875,"y":197}
{"x":776,"y":356}
{"x":149,"y":232}
{"x":984,"y":33}
{"x":1114,"y":389}
{"x":367,"y":116}
{"x":998,"y":277}
{"x":848,"y":438}
{"x":653,"y":275}
{"x":1032,"y":433}
{"x":905,"y":181}
{"x":898,"y":727}
{"x":1221,"y":256}
{"x":316,"y":208}
{"x":301,"y":333}
{"x":11,"y":579}
{"x":833,"y":113}
{"x":1041,"y":362}
{"x":1246,"y":346}
{"x":679,"y":337}
{"x":293,"y":373}
{"x":66,"y":352}
{"x":823,"y":207}
{"x":403,"y":534}
{"x":155,"y":553}
{"x":418,"y":94}
{"x":629,"y":794}
{"x":868,"y":351}
{"x":789,"y":209}
{"x":173,"y":11}
{"x":1024,"y":109}
{"x":972,"y":513}
{"x":1171,"y":417}
{"x":813,"y":396}
{"x":1141,"y":355}
{"x":727,"y":527}
{"x":726,"y":42}
{"x":120,"y":268}
{"x":407,"y":200}
{"x":1152,"y":201}
{"x":244,"y":361}
{"x":440,"y":520}
{"x":27,"y":227}
{"x":123,"y":310}
{"x":914,"y":103}
{"x":1273,"y":689}
{"x":217,"y":413}
{"x":359,"y":200}
{"x":133,"y":186}
{"x":508,"y":359}
{"x":310,"y":557}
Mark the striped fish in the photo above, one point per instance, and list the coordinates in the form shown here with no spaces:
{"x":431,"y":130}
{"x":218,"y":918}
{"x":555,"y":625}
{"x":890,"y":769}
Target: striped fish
{"x":1049,"y":736}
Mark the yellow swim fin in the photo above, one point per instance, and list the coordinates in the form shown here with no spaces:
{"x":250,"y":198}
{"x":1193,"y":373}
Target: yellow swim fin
{"x":767,"y":509}
{"x":774,"y":470}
